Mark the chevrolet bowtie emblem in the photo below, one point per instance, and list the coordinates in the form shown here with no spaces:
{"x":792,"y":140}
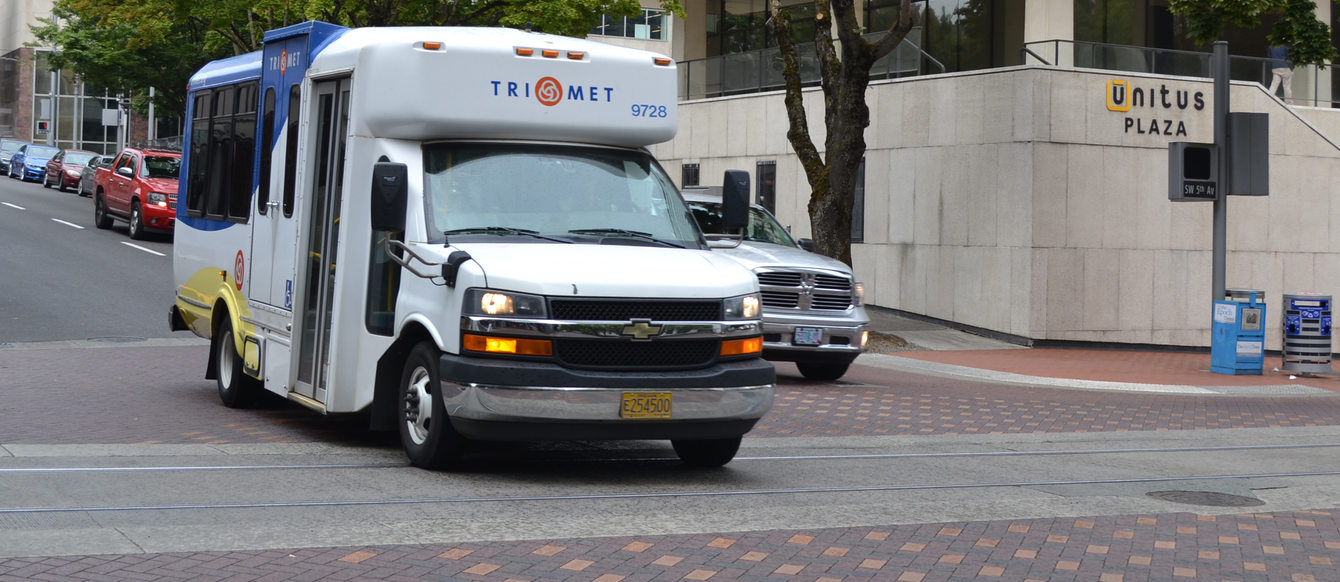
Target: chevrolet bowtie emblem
{"x":641,"y":330}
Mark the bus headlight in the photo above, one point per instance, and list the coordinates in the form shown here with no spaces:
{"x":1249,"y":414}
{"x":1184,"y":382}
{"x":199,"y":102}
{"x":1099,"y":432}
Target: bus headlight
{"x":743,"y":307}
{"x":502,"y":304}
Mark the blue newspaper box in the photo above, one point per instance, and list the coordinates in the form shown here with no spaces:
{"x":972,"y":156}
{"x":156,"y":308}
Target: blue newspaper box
{"x":1239,"y":342}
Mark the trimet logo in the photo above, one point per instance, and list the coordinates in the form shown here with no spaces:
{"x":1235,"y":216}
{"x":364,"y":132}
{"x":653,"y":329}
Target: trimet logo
{"x":550,"y":92}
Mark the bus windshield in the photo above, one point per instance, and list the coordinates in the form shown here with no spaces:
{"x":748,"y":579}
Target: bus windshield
{"x":569,"y":194}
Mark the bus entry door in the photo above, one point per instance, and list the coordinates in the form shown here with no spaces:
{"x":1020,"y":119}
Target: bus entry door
{"x":319,"y":281}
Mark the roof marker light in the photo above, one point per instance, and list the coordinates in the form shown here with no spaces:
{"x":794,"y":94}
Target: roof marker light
{"x":549,"y":53}
{"x":524,"y":52}
{"x":576,"y":56}
{"x":432,"y":46}
{"x":662,"y":61}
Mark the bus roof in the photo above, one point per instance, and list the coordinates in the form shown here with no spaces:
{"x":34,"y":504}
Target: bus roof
{"x":226,"y":71}
{"x":425,"y":83}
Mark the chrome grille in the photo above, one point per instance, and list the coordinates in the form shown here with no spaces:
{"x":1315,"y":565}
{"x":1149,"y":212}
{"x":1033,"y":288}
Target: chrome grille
{"x":805,"y":291}
{"x":618,"y":310}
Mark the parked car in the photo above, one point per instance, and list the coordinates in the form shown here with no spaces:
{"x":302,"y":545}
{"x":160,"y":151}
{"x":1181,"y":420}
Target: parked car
{"x":7,"y":148}
{"x":90,"y":171}
{"x":813,"y":312}
{"x":140,"y":187}
{"x":30,"y":161}
{"x":63,"y":168}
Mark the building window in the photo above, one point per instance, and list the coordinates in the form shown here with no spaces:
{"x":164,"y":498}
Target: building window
{"x":858,"y":206}
{"x":766,"y":188}
{"x":651,"y":25}
{"x":688,"y":175}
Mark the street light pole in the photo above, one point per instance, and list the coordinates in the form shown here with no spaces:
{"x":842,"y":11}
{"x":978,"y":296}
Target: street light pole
{"x":1219,"y":62}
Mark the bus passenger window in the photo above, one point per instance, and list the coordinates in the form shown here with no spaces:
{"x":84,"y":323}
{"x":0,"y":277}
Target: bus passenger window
{"x":291,"y":151}
{"x":267,"y":149}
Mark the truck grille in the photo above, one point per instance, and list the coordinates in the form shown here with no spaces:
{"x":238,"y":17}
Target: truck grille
{"x":618,"y":310}
{"x":680,"y":354}
{"x":804,"y":290}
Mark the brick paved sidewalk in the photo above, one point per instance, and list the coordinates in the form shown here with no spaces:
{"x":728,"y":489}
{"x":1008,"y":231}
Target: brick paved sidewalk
{"x":1298,"y":547}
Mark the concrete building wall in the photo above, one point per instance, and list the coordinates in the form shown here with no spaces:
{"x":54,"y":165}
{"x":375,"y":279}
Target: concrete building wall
{"x":1017,"y":200}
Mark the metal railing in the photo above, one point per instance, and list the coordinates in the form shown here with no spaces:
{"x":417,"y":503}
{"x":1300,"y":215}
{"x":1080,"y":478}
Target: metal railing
{"x":761,"y":70}
{"x":1138,"y":59}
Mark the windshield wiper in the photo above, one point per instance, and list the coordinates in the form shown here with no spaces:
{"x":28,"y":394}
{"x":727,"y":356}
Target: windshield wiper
{"x":504,"y":231}
{"x":637,"y":234}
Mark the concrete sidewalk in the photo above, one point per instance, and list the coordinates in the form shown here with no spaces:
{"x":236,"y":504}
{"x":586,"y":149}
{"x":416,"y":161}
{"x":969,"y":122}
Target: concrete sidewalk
{"x":939,"y":350}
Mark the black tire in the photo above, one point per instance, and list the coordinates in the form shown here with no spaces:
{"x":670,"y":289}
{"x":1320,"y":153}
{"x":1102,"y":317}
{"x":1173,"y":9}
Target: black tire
{"x":61,"y":185}
{"x":236,"y":388}
{"x":822,"y":371}
{"x":425,"y":432}
{"x":706,"y":453}
{"x":46,"y":180}
{"x":136,"y":221}
{"x":101,"y":219}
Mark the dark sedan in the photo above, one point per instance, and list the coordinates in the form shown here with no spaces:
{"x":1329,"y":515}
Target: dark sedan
{"x":90,"y":170}
{"x":64,"y":168}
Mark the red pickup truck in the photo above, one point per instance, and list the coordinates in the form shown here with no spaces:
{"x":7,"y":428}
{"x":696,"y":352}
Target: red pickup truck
{"x":140,"y":187}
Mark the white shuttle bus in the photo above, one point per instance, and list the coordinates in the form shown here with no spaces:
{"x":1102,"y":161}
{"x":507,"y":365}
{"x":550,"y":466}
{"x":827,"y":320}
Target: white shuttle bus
{"x":460,"y":232}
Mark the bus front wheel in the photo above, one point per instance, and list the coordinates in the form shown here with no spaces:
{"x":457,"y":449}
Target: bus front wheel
{"x":425,"y":431}
{"x":706,"y":452}
{"x":236,"y":389}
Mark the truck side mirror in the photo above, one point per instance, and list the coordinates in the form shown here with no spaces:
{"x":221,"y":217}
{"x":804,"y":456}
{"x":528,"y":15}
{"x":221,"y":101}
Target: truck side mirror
{"x":390,"y":189}
{"x":735,"y":199}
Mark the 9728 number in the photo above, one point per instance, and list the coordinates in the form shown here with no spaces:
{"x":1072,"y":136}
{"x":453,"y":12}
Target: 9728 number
{"x":649,"y":111}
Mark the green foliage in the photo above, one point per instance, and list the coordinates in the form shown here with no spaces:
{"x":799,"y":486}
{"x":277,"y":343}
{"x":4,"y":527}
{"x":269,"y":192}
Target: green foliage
{"x":1308,"y":39}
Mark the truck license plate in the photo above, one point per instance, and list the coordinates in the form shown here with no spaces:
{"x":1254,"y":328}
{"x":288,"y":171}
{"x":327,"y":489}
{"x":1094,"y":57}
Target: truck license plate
{"x":645,"y":405}
{"x":809,"y":336}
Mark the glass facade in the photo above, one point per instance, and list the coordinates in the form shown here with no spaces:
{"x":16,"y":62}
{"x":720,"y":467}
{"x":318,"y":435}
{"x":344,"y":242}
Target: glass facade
{"x":651,"y":25}
{"x":67,"y":113}
{"x":963,"y":35}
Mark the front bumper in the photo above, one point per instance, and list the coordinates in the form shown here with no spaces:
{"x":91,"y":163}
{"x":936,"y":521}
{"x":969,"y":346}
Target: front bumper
{"x":159,"y":217}
{"x":34,"y":174}
{"x":841,"y":340}
{"x":507,"y":400}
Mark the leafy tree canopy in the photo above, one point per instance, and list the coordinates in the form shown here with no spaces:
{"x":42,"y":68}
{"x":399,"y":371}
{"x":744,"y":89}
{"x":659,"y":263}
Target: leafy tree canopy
{"x":1308,"y":39}
{"x":128,"y":46}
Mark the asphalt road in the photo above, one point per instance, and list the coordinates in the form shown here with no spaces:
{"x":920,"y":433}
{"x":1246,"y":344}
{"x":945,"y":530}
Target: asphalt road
{"x":63,"y":279}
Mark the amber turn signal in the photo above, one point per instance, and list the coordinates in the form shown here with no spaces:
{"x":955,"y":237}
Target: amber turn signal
{"x":508,"y":345}
{"x":740,"y":347}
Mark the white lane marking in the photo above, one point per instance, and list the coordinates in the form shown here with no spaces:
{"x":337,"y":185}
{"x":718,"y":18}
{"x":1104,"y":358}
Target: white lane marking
{"x":70,"y":224}
{"x":135,"y":246}
{"x":13,"y":205}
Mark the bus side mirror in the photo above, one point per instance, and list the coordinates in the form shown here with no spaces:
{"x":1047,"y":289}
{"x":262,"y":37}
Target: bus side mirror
{"x":735,"y":200}
{"x":390,"y":189}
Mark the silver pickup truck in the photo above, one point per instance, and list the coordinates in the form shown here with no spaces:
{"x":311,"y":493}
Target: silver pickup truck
{"x":812,"y":304}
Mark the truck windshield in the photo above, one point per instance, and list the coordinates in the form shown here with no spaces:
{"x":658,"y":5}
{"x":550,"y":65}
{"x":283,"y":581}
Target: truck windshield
{"x":762,"y":226}
{"x":578,"y":194}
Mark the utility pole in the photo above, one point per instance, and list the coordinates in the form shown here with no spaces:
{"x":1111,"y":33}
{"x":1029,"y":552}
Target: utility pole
{"x":1219,"y":63}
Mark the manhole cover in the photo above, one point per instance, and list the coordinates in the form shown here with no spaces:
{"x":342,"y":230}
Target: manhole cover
{"x":1209,"y":498}
{"x":116,"y":339}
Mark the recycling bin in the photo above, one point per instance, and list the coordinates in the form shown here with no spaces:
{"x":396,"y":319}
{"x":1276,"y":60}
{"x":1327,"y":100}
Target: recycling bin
{"x":1307,"y":333}
{"x":1238,"y":344}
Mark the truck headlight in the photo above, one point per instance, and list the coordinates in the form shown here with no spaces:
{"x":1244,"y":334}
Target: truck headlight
{"x":496,"y":303}
{"x":158,"y":199}
{"x":743,"y":307}
{"x":858,"y":298}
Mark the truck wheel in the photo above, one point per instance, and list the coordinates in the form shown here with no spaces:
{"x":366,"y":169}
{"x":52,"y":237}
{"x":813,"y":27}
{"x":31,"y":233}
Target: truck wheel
{"x":706,"y":453}
{"x":822,"y":371}
{"x":101,"y":219}
{"x":236,"y":389}
{"x":425,"y":431}
{"x":136,"y":221}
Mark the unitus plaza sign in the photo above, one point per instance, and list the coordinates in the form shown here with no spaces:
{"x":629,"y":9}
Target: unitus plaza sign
{"x":1152,"y":110}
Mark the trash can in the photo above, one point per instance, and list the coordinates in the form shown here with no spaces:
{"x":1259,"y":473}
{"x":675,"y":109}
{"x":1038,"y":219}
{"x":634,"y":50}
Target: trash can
{"x":1307,"y":333}
{"x":1239,"y":341}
